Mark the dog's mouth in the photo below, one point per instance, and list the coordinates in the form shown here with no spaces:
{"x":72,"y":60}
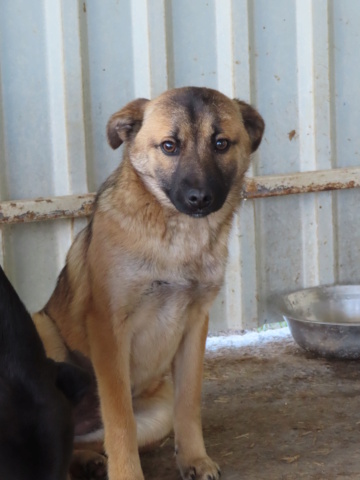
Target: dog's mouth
{"x":201,"y":214}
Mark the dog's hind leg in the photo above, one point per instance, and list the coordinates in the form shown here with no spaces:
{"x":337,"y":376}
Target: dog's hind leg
{"x":153,"y":412}
{"x":88,"y":461}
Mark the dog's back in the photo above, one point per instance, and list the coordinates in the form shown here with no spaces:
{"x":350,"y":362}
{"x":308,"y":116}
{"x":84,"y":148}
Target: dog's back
{"x":36,"y":430}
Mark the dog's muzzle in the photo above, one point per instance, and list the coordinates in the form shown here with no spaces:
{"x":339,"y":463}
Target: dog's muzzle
{"x":197,"y":200}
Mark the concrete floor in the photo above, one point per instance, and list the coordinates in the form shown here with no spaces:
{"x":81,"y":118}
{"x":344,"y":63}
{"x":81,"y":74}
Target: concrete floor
{"x":274,"y":412}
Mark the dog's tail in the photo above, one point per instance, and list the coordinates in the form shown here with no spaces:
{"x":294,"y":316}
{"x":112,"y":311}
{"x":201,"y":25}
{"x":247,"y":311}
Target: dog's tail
{"x":153,"y":412}
{"x":18,"y":337}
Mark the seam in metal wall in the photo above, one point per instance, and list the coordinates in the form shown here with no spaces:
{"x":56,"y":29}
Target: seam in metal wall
{"x":67,"y":66}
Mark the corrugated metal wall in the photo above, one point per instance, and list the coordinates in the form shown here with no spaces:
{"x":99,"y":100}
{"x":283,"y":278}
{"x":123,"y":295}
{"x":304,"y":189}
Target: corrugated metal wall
{"x":67,"y":65}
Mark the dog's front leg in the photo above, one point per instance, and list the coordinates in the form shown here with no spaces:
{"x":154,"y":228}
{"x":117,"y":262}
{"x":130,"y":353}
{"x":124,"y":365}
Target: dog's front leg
{"x":192,"y":459}
{"x":110,"y":354}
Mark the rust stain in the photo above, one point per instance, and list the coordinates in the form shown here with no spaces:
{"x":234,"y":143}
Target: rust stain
{"x":84,"y":7}
{"x":84,"y":210}
{"x":42,"y":199}
{"x":292,"y":134}
{"x":253,"y":189}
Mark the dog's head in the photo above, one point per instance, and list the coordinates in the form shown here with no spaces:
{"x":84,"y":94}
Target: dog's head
{"x":190,"y":145}
{"x":36,"y":398}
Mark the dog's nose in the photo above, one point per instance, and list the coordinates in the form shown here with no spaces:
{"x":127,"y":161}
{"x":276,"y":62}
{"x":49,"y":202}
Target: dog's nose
{"x":199,"y":199}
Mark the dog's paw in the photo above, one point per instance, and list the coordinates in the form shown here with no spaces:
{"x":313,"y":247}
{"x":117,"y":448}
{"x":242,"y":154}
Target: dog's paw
{"x":201,"y":469}
{"x":87,"y":465}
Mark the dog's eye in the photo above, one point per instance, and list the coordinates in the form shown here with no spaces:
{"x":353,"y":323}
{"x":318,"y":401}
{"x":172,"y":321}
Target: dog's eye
{"x":169,"y":147}
{"x":221,"y":145}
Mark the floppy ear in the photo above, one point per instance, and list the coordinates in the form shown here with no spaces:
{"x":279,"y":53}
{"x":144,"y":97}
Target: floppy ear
{"x":253,"y":123}
{"x":73,"y":381}
{"x":125,"y":123}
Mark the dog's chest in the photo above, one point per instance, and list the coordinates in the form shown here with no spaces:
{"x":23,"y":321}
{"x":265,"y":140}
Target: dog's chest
{"x":159,"y":323}
{"x":168,"y":277}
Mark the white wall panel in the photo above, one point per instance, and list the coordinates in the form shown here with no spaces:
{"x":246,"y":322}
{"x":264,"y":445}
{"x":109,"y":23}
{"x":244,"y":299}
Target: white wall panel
{"x":66,"y":66}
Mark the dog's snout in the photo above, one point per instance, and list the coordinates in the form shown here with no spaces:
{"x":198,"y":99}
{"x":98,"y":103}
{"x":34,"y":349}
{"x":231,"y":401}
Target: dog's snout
{"x":198,"y":198}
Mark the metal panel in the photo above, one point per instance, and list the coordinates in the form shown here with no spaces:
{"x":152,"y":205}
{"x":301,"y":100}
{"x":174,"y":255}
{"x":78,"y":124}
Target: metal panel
{"x":67,"y":66}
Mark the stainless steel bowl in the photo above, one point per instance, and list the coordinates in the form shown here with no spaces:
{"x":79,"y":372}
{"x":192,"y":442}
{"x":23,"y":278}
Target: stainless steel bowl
{"x":325,"y":320}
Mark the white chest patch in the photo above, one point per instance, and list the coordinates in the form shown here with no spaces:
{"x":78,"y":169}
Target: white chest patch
{"x":158,"y":326}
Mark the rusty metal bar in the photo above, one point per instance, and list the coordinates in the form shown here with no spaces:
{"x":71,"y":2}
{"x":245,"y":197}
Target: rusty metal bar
{"x":40,"y":209}
{"x":304,"y":182}
{"x":77,"y":206}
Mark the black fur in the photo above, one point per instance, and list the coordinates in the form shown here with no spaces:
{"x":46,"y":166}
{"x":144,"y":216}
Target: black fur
{"x":36,"y":398}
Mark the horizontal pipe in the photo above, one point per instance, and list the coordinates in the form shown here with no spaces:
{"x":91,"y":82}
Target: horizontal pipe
{"x":40,"y":209}
{"x":77,"y":206}
{"x":303,"y":182}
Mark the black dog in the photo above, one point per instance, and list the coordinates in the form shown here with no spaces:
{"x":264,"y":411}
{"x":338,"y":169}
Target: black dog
{"x":36,"y":398}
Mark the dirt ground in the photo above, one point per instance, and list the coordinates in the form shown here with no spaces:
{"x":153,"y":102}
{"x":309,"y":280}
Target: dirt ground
{"x":275,"y":412}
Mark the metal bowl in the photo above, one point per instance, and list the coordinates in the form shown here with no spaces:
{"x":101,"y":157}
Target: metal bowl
{"x":325,"y":320}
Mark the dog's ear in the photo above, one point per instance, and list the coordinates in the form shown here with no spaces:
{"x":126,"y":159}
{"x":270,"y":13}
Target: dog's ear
{"x":253,"y":122}
{"x":19,"y":340}
{"x":125,"y":123}
{"x":73,"y":381}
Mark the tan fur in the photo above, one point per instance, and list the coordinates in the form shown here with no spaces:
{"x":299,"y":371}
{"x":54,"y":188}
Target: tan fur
{"x":140,"y":279}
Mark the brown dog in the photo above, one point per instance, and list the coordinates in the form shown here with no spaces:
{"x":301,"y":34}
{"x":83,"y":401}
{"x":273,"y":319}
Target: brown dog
{"x":139,"y":280}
